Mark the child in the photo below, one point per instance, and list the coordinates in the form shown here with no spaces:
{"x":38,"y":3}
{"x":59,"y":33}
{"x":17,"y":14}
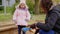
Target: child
{"x":21,"y":16}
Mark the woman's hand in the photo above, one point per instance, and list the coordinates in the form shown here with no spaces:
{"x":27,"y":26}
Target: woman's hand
{"x":33,"y":26}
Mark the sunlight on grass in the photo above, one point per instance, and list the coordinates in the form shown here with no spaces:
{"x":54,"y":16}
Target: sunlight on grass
{"x":37,"y":18}
{"x":34,"y":18}
{"x":5,"y":17}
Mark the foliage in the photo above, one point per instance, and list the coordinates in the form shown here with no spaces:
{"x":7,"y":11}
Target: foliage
{"x":0,"y":2}
{"x":13,"y":9}
{"x":5,"y":17}
{"x":17,"y":1}
{"x":1,"y":7}
{"x":30,"y":5}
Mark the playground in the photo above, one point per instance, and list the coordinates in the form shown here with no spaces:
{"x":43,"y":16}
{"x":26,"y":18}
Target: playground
{"x":7,"y":8}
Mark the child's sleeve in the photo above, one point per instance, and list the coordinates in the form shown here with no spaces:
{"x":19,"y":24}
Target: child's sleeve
{"x":15,"y":15}
{"x":28,"y":15}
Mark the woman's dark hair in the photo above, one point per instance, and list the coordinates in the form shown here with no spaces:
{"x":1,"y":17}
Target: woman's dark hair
{"x":46,"y":4}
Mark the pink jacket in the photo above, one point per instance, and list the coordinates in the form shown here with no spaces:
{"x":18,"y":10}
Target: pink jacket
{"x":20,"y":16}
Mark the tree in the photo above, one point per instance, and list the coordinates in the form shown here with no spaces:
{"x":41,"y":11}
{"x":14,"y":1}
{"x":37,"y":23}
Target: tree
{"x":37,"y":5}
{"x":17,"y":1}
{"x":0,"y":2}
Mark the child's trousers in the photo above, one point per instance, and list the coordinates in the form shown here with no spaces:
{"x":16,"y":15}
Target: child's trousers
{"x":20,"y":29}
{"x":37,"y":31}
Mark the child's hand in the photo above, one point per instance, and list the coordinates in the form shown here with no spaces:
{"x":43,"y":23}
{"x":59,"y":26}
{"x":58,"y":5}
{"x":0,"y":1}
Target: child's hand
{"x":15,"y":21}
{"x":26,"y":19}
{"x":27,"y":25}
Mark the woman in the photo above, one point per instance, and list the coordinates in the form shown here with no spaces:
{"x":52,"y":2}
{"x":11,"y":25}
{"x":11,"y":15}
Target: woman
{"x":52,"y":21}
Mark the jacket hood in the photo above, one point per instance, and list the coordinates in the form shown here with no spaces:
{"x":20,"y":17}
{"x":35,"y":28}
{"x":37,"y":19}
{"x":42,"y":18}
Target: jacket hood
{"x":57,"y":8}
{"x":19,"y":4}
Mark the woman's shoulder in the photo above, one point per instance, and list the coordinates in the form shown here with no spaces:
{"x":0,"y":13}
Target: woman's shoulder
{"x":57,"y":7}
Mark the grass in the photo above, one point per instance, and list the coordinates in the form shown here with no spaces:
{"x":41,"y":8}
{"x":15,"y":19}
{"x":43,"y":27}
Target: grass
{"x":5,"y":17}
{"x":35,"y":18}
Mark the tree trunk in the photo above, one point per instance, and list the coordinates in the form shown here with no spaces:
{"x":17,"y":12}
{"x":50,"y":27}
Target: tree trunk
{"x":37,"y":5}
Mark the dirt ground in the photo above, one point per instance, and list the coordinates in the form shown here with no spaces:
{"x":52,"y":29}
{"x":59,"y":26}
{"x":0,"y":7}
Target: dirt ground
{"x":13,"y":31}
{"x":10,"y":24}
{"x":10,"y":29}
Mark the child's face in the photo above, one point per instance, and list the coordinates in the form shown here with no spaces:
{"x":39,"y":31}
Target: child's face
{"x":22,"y":5}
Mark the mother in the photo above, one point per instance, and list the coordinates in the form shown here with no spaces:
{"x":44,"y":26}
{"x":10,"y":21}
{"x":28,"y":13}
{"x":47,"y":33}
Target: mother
{"x":52,"y":21}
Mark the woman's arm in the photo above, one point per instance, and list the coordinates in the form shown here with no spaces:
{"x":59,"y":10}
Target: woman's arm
{"x":50,"y":22}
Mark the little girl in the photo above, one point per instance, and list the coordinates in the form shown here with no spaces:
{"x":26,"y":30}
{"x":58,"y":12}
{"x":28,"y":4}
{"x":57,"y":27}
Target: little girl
{"x":21,"y":16}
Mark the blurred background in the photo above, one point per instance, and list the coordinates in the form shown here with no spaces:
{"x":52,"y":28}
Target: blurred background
{"x":7,"y":8}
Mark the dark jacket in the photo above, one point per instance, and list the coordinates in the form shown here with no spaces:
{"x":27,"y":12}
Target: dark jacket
{"x":52,"y":20}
